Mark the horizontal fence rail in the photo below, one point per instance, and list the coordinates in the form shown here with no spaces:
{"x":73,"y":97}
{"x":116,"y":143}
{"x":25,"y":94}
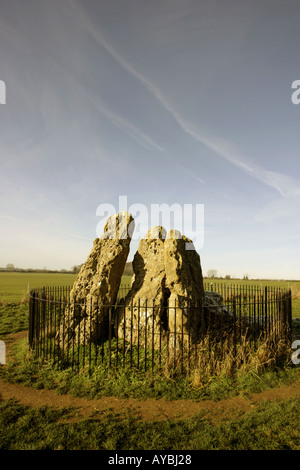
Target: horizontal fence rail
{"x":147,"y":336}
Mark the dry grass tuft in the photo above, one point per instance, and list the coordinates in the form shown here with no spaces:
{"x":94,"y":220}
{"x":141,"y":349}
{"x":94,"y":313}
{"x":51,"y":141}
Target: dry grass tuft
{"x":219,"y":359}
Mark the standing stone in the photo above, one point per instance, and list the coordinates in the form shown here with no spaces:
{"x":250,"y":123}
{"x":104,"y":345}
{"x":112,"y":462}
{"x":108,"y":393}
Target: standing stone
{"x":216,"y":314}
{"x":167,"y":293}
{"x":142,"y":307}
{"x":97,"y":283}
{"x":185,"y":282}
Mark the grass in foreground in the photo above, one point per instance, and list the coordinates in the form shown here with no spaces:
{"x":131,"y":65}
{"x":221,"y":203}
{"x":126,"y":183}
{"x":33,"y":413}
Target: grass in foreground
{"x":13,"y":318}
{"x":257,"y":371}
{"x":214,"y":382}
{"x":270,"y":426}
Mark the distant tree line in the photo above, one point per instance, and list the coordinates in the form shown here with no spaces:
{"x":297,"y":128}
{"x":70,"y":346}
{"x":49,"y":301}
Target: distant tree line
{"x":12,"y":269}
{"x":213,"y":274}
{"x":128,"y":271}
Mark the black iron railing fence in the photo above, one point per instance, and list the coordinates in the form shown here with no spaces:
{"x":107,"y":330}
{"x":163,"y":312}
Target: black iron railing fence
{"x":145,"y":337}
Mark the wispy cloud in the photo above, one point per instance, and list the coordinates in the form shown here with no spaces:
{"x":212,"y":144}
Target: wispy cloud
{"x":25,"y":43}
{"x":127,"y":127}
{"x":284,"y":184}
{"x":21,"y":222}
{"x":278,"y":181}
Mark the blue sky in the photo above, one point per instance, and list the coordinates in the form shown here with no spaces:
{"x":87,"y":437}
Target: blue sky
{"x":169,"y":101}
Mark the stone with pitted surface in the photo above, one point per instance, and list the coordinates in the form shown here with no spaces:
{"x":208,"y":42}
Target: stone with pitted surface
{"x":167,"y":291}
{"x":97,"y":284}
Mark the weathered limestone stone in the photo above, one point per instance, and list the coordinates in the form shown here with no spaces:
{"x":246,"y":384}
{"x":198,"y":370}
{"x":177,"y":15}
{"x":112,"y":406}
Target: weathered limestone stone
{"x":216,"y":314}
{"x":97,"y":284}
{"x":185,"y":282}
{"x":140,"y":313}
{"x":167,"y":293}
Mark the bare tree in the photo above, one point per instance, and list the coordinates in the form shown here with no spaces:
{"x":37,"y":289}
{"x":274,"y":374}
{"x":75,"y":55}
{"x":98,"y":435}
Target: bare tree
{"x":211,"y":273}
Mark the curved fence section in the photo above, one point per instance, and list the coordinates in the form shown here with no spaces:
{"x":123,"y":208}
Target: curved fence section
{"x":147,"y":336}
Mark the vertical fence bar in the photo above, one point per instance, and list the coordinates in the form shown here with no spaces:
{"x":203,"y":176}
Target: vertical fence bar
{"x":51,"y":317}
{"x":258,"y":315}
{"x":223,"y":329}
{"x":168,"y":338}
{"x":109,"y":336}
{"x":138,"y":335}
{"x":97,"y":332}
{"x":266,"y":310}
{"x":84,"y":333}
{"x":182,"y":339}
{"x":93,"y":331}
{"x":117,"y":334}
{"x":47,"y":302}
{"x":175,"y":327}
{"x":131,"y":331}
{"x":189,"y":331}
{"x":38,"y":324}
{"x":290,"y":314}
{"x":124,"y":337}
{"x":31,"y":319}
{"x":52,"y":325}
{"x":42,"y":307}
{"x":58,"y":328}
{"x":153,"y":326}
{"x":254,"y":318}
{"x":194,"y":341}
{"x":73,"y":333}
{"x":234,"y":327}
{"x":240,"y":313}
{"x":278,"y":313}
{"x":146,"y":317}
{"x":78,"y":338}
{"x":208,"y":332}
{"x":65,"y":308}
{"x":160,"y":328}
{"x":101,"y":312}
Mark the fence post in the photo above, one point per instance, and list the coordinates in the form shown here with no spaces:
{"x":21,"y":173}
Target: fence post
{"x":234,"y":327}
{"x":282,"y":315}
{"x":109,"y":335}
{"x":290,"y":314}
{"x":153,"y":325}
{"x":266,"y":310}
{"x":146,"y":335}
{"x":31,"y":319}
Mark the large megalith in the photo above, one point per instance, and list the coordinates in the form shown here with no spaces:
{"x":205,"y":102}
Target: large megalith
{"x":184,"y":281}
{"x":167,"y":294}
{"x":139,"y":315}
{"x":96,"y":286}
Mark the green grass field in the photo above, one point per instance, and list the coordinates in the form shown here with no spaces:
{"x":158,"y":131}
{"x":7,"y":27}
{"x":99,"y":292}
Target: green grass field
{"x":269,"y":425}
{"x":293,"y":285}
{"x":14,"y":286}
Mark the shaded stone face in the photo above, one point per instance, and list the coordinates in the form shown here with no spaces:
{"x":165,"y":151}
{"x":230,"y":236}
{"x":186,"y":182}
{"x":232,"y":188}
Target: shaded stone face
{"x":185,"y":282}
{"x":167,"y":291}
{"x":97,"y":283}
{"x":143,"y":303}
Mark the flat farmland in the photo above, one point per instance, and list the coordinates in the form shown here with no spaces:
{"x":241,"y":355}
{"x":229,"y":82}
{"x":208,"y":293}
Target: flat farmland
{"x":15,"y":285}
{"x":283,"y":284}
